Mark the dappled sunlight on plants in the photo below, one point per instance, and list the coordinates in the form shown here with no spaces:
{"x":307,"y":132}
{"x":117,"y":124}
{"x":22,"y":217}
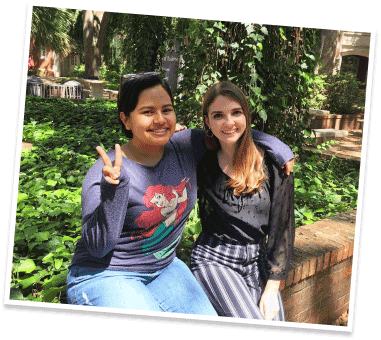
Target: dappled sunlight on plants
{"x":48,"y":217}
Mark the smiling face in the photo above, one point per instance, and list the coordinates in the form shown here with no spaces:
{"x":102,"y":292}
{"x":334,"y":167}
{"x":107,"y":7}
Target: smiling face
{"x":226,"y":120}
{"x":153,"y":120}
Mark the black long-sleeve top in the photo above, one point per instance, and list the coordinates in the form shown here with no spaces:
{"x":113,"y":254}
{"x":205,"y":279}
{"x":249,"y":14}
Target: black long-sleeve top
{"x":265,"y":216}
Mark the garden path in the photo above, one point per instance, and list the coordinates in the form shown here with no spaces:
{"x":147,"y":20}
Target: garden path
{"x":349,"y":146}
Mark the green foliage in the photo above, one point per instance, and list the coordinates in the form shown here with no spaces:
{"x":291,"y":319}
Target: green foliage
{"x":318,"y":93}
{"x":340,"y":94}
{"x":343,"y":93}
{"x":273,"y":66}
{"x":79,"y":71}
{"x":136,"y":41}
{"x":50,"y":28}
{"x":64,"y":135}
{"x":324,"y":186}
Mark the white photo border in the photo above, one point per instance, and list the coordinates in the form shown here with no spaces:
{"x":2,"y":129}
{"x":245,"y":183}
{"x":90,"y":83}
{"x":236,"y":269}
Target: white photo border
{"x":348,"y":331}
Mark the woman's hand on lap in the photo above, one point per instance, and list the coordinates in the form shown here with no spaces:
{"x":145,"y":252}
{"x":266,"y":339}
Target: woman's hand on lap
{"x":111,"y":172}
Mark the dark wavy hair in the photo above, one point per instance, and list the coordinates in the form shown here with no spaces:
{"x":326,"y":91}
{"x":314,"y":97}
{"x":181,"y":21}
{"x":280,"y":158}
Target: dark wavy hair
{"x":129,"y":92}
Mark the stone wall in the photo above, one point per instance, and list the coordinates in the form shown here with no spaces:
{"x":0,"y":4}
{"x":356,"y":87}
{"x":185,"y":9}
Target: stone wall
{"x":317,"y":289}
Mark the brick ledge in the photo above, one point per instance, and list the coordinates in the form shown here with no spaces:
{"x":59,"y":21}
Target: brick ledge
{"x":321,"y":245}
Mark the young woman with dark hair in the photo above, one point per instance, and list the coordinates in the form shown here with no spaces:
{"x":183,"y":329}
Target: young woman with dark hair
{"x":246,"y":210}
{"x":136,"y":200}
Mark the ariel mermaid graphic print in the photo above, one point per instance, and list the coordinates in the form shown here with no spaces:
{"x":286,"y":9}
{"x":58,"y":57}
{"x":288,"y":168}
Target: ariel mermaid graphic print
{"x":166,"y":205}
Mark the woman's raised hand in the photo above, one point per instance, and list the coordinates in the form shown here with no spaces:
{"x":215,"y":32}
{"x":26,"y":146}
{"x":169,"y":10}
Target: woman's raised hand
{"x":111,"y":172}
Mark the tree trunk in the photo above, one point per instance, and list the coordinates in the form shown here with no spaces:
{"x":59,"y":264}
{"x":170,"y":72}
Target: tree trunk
{"x":94,"y":35}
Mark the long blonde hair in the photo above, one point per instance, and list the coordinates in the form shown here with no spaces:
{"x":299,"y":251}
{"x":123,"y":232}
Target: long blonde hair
{"x":248,"y":159}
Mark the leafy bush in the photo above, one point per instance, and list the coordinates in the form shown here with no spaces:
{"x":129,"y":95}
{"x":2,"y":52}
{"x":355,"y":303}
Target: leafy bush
{"x":79,"y":71}
{"x":324,"y":187}
{"x":343,"y":93}
{"x":64,"y":135}
{"x":318,"y":93}
{"x":340,"y":94}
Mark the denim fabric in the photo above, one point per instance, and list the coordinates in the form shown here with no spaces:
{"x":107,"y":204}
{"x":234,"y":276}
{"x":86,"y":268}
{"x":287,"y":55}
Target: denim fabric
{"x":173,"y":289}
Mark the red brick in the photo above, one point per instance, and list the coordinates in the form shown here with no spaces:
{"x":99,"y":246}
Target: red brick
{"x":320,"y":262}
{"x":305,"y":270}
{"x":296,"y":309}
{"x":282,"y":285}
{"x":292,"y":318}
{"x":341,"y":301}
{"x":303,"y":316}
{"x":290,"y":277}
{"x":333,"y":259}
{"x":340,"y":254}
{"x":298,"y":274}
{"x":293,"y":300}
{"x":346,"y":271}
{"x":314,"y":319}
{"x":351,"y":249}
{"x":347,"y":282}
{"x":313,"y":264}
{"x":308,"y":293}
{"x":346,"y":251}
{"x":326,"y":262}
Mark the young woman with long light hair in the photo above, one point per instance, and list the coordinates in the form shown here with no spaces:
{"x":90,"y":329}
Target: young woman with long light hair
{"x":246,"y":210}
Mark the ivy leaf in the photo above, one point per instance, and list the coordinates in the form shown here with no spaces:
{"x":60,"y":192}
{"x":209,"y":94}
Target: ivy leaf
{"x":33,"y":279}
{"x":50,"y":294}
{"x":26,"y":266}
{"x":58,"y":263}
{"x":21,"y":197}
{"x":262,"y":114}
{"x":56,"y":280}
{"x":249,"y":28}
{"x":264,"y":30}
{"x":51,"y":183}
{"x":220,"y":42}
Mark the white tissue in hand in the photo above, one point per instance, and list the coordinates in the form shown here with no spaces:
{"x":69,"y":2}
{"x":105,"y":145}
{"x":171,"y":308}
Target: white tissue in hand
{"x":271,"y":302}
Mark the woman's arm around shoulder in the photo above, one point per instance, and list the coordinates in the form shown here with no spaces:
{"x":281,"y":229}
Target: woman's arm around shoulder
{"x":280,"y":152}
{"x":191,"y":140}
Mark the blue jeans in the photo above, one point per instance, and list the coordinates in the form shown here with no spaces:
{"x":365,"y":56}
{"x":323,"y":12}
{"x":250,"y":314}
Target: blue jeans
{"x":172,"y":289}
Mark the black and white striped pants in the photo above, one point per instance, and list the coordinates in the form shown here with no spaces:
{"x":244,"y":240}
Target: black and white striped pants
{"x":232,"y":275}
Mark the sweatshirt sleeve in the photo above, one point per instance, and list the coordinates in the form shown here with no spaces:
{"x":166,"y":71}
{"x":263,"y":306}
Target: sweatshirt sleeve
{"x":104,"y":208}
{"x":279,"y":151}
{"x":281,"y":234}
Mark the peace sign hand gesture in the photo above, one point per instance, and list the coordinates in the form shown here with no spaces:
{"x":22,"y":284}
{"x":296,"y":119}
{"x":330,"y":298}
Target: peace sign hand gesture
{"x":111,"y":172}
